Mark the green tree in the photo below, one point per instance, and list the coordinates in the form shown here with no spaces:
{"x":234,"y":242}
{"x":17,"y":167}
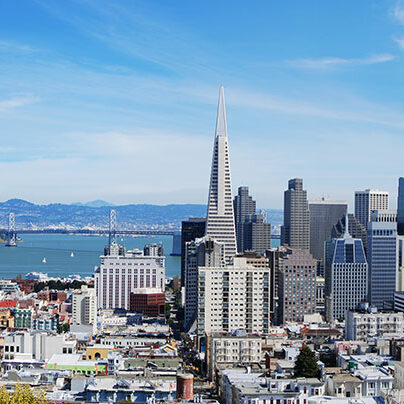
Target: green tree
{"x":306,"y":364}
{"x":63,"y":328}
{"x":22,"y":394}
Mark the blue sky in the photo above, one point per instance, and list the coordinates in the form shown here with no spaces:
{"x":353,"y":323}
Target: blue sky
{"x":116,"y":100}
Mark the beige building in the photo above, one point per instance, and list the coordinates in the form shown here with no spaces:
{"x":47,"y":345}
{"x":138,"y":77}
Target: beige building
{"x":84,"y":306}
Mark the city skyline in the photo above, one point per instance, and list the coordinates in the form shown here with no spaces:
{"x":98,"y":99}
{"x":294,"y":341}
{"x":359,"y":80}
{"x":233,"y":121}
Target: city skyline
{"x":101,"y":89}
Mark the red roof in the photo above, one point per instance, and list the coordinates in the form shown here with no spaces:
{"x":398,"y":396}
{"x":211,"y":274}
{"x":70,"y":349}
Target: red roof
{"x":8,"y":303}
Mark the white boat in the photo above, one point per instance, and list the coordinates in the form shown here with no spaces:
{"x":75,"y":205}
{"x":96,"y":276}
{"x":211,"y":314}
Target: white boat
{"x":72,"y":254}
{"x":44,"y":260}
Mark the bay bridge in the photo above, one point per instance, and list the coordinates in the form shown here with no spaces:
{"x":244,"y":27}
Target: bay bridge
{"x":12,"y":237}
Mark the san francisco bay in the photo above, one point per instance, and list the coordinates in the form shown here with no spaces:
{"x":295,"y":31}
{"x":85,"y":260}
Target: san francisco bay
{"x":57,"y":249}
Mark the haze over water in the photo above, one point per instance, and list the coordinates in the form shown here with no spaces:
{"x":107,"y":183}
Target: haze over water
{"x":57,"y":249}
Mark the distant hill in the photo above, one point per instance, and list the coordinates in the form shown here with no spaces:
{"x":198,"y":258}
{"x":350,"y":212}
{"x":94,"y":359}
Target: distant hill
{"x":94,"y":204}
{"x":95,"y":215}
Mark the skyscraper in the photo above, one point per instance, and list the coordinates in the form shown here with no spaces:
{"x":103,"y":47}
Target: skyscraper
{"x":368,"y":200}
{"x":346,"y":275}
{"x":383,"y":251}
{"x":244,"y":206}
{"x":296,"y":216}
{"x":220,"y":216}
{"x":400,"y":207}
{"x":324,"y":214}
{"x":256,"y":234}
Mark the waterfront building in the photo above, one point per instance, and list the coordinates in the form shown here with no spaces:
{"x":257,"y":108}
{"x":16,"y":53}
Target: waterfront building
{"x":297,"y":285}
{"x":295,"y":231}
{"x":122,"y":272}
{"x":244,"y":205}
{"x":84,"y":306}
{"x":368,"y":200}
{"x":324,"y":214}
{"x":205,"y":251}
{"x":233,"y":297}
{"x":346,"y":276}
{"x":256,"y":234}
{"x":382,"y":258}
{"x":400,"y":207}
{"x":220,"y":215}
{"x":366,"y":322}
{"x":191,"y":229}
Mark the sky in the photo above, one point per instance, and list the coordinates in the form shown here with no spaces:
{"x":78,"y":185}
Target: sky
{"x":116,"y":100}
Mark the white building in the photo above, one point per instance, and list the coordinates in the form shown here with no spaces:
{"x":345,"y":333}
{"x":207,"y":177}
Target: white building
{"x":382,"y":254}
{"x":234,"y":297}
{"x":84,"y":306}
{"x":368,"y":200}
{"x":122,"y":272}
{"x":36,"y":345}
{"x":360,"y":325}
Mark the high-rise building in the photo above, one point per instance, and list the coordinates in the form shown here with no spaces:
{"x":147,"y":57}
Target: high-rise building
{"x":368,"y":200}
{"x":256,"y":234}
{"x":346,"y":276}
{"x":296,"y":216}
{"x":84,"y":306}
{"x":324,"y":214}
{"x":244,"y":206}
{"x":122,"y":272}
{"x":220,"y":216}
{"x":297,"y":285}
{"x":400,"y":207}
{"x":205,"y":251}
{"x":234,"y":297}
{"x":383,"y":249}
{"x":191,"y":229}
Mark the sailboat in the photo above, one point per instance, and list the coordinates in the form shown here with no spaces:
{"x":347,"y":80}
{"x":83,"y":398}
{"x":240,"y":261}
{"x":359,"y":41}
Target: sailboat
{"x":44,"y":260}
{"x":72,"y":254}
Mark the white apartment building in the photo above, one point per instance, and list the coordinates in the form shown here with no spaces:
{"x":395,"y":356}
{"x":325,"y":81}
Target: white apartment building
{"x":368,"y":200}
{"x":36,"y":345}
{"x":122,"y":272}
{"x":234,"y":297}
{"x":360,"y":325}
{"x":225,"y":350}
{"x":84,"y":306}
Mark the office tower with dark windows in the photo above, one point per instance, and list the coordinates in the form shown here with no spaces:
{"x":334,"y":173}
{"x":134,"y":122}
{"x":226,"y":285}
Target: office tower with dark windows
{"x":220,"y":216}
{"x":297,"y":285}
{"x":324,"y":214}
{"x":256,"y":234}
{"x":400,"y":207}
{"x":346,"y":276}
{"x":295,"y":231}
{"x":368,"y":200}
{"x":383,"y":254}
{"x":191,"y":229}
{"x":244,"y":206}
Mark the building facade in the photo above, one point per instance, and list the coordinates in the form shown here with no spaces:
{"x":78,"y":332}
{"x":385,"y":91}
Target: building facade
{"x":324,"y":214}
{"x":400,"y":207}
{"x":84,"y":306}
{"x":346,"y":276}
{"x":295,"y":231}
{"x":368,"y":200}
{"x":122,"y":272}
{"x":256,"y":234}
{"x":382,"y":258}
{"x":297,"y":285}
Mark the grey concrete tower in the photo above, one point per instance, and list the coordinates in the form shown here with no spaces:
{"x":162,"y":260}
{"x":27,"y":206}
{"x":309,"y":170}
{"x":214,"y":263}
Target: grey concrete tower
{"x":296,"y":216}
{"x":244,"y":206}
{"x":220,"y":216}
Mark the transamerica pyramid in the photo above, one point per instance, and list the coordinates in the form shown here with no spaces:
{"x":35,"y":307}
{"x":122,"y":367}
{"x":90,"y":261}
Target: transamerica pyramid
{"x":220,"y":216}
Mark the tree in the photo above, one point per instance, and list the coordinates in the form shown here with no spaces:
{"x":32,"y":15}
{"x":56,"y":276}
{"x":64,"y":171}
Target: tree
{"x":22,"y":394}
{"x":306,"y":364}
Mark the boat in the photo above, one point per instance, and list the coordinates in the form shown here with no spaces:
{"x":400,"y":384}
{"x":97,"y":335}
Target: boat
{"x":72,"y":254}
{"x":44,"y":260}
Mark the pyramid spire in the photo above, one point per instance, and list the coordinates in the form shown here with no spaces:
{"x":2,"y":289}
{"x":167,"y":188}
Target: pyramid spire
{"x":346,"y":233}
{"x":220,"y":216}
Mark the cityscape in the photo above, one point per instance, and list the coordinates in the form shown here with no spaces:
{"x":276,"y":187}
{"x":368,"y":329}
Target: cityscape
{"x":227,"y":300}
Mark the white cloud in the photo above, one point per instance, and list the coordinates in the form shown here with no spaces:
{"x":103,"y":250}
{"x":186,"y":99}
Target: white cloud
{"x":334,"y":62}
{"x":17,"y":102}
{"x":399,"y":14}
{"x":400,"y":42}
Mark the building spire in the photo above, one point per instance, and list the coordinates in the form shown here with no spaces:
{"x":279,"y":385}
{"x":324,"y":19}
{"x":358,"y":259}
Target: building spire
{"x":346,"y":233}
{"x":221,"y":123}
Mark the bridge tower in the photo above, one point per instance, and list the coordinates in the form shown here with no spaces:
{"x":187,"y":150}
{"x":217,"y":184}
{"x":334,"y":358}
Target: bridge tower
{"x":12,"y":236}
{"x":112,"y":227}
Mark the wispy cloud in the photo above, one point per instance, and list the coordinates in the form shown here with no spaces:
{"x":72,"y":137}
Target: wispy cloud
{"x":398,"y":13}
{"x":17,"y":47}
{"x":335,"y":62}
{"x":16,"y":102}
